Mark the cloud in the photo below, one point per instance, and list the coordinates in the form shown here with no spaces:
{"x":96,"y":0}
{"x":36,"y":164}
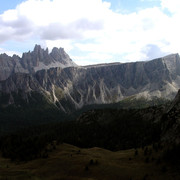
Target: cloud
{"x":10,"y":53}
{"x":173,"y":6}
{"x":51,"y":20}
{"x":74,"y":30}
{"x":14,"y":26}
{"x":129,"y":33}
{"x":90,"y":31}
{"x":57,"y":31}
{"x":94,"y":58}
{"x":149,"y":0}
{"x":152,"y":51}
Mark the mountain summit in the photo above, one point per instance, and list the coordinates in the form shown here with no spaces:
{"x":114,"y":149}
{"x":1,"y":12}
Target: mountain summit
{"x":34,"y":61}
{"x":73,"y":87}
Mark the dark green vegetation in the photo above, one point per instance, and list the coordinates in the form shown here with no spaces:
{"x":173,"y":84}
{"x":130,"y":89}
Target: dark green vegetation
{"x":172,"y":155}
{"x":109,"y":128}
{"x":34,"y":109}
{"x":25,"y":114}
{"x":32,"y":142}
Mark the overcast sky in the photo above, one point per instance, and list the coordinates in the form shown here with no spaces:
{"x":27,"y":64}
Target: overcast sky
{"x":92,"y":31}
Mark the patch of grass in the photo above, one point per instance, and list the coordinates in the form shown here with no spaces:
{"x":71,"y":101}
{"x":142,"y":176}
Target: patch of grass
{"x":59,"y":93}
{"x":66,"y":163}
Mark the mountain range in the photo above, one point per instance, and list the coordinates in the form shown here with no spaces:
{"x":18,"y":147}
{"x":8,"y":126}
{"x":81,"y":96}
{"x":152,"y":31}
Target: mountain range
{"x":46,"y":101}
{"x":70,"y":87}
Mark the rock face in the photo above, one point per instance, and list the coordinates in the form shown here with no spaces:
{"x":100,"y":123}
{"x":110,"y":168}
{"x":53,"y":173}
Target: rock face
{"x":10,"y":65}
{"x":74,"y":87}
{"x":33,"y":61}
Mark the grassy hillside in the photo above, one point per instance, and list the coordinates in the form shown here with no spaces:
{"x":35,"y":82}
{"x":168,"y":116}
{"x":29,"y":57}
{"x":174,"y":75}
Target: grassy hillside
{"x":39,"y":153}
{"x":109,"y":128}
{"x":67,"y":162}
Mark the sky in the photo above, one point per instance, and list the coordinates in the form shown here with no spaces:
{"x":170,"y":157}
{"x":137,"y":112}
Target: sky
{"x":92,"y":31}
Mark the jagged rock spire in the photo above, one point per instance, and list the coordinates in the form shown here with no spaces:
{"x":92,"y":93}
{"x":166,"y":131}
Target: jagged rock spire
{"x":33,"y":61}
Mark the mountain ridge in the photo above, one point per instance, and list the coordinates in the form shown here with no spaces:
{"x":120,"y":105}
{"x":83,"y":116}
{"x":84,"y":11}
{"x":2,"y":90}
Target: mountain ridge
{"x":73,"y":87}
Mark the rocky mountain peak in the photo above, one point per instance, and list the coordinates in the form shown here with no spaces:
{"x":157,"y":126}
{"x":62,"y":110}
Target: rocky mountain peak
{"x":172,"y":62}
{"x":45,"y":60}
{"x":6,"y":66}
{"x":61,"y":56}
{"x":171,"y":57}
{"x":56,"y":53}
{"x":79,"y":86}
{"x":33,"y":61}
{"x":37,"y":48}
{"x":40,"y":52}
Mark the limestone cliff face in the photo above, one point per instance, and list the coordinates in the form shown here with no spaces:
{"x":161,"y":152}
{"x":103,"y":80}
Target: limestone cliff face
{"x":10,"y":65}
{"x":33,"y":61}
{"x":73,"y":87}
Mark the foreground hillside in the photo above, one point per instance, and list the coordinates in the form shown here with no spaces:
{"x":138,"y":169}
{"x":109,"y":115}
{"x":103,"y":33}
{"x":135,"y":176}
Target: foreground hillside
{"x":68,"y":162}
{"x":141,"y":150}
{"x":111,"y":129}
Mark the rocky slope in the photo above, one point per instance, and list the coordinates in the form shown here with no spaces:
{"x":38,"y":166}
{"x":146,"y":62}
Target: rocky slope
{"x":74,"y":87}
{"x":33,"y":61}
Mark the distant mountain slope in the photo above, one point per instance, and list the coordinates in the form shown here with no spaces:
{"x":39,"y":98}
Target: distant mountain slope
{"x":72,"y":88}
{"x":33,"y":61}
